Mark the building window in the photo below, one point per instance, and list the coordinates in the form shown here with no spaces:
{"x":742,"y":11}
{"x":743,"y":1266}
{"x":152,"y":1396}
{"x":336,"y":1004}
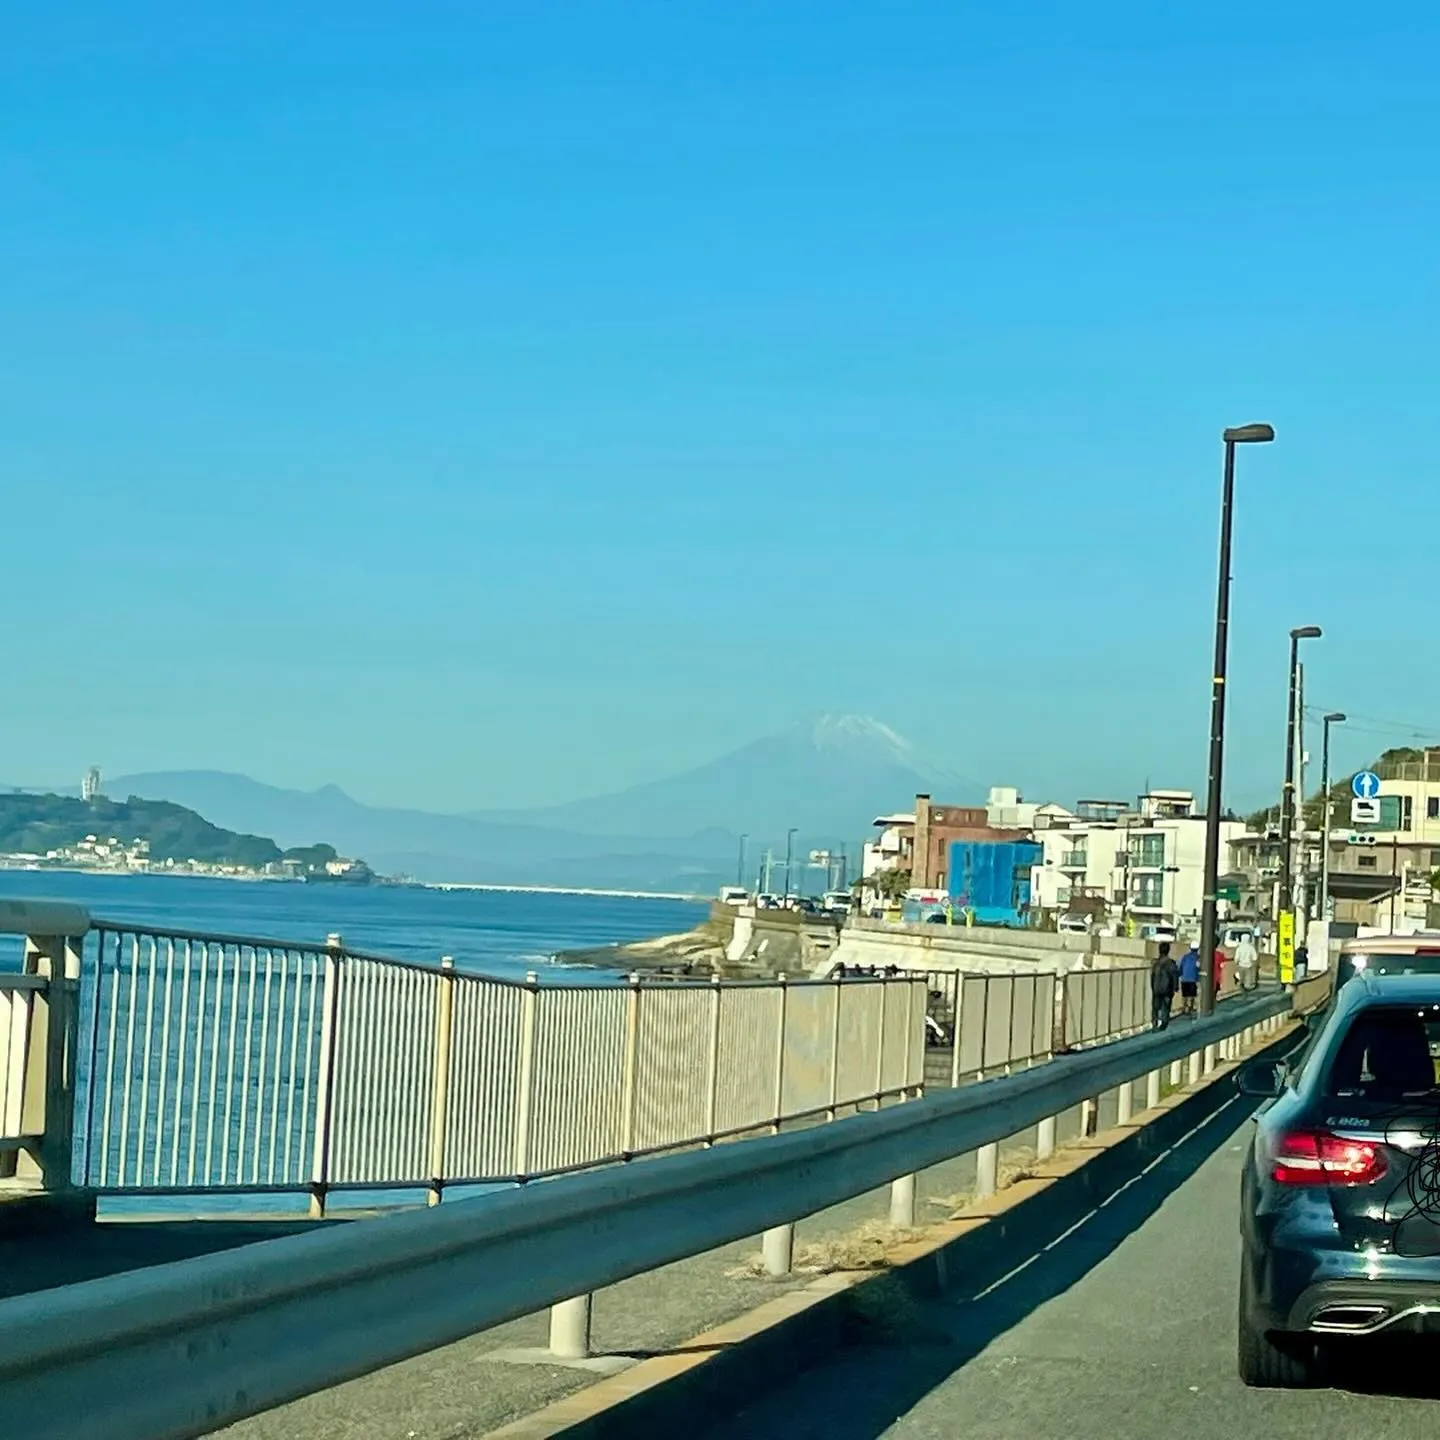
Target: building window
{"x":1148,"y":851}
{"x":1432,"y":807}
{"x":1407,"y":811}
{"x":1150,"y":891}
{"x":1365,"y":862}
{"x":1435,"y":857}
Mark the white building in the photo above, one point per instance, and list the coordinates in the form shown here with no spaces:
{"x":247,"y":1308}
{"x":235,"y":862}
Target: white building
{"x":1147,"y":863}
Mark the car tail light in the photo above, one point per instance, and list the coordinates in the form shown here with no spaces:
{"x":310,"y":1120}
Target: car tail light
{"x":1311,"y":1157}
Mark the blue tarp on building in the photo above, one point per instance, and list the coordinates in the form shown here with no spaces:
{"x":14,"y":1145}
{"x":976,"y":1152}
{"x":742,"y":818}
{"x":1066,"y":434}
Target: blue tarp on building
{"x":992,"y":878}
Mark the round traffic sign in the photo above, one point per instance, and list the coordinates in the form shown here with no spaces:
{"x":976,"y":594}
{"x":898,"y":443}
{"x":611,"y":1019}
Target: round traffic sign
{"x":1365,"y":785}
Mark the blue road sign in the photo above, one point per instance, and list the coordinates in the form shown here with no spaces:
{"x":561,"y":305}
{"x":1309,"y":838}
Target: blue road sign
{"x":1366,"y":785}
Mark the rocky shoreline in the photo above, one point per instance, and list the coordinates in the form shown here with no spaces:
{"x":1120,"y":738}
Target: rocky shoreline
{"x":699,"y":952}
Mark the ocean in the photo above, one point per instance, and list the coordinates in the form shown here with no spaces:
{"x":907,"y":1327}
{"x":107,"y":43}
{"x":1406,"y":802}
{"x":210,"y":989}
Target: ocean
{"x":490,"y":932}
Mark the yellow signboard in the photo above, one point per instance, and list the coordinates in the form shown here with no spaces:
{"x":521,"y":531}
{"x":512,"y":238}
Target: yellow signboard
{"x":1285,"y":932}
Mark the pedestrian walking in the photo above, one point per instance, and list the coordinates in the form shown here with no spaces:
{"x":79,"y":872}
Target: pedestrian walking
{"x":1217,"y":971}
{"x":1247,"y":962}
{"x":1189,"y":980}
{"x":1164,"y":977}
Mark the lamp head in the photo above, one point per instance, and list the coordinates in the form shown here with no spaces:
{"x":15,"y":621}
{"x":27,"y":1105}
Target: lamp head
{"x":1249,"y":435}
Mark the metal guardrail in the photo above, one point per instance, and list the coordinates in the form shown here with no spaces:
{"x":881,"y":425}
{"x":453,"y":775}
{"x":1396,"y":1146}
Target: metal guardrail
{"x":234,"y":1063}
{"x":183,"y":1349}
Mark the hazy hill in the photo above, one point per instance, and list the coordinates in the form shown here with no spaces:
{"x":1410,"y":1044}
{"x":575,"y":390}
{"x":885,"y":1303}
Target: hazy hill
{"x":828,"y":778}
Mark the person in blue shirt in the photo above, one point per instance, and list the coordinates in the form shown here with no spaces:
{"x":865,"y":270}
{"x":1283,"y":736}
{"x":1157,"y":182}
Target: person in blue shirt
{"x":1189,"y":980}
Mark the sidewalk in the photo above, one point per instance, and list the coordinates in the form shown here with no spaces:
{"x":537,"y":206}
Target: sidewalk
{"x":465,"y":1390}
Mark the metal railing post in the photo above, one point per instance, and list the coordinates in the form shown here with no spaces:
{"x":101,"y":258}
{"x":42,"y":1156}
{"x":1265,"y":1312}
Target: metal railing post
{"x":1208,"y":1060}
{"x":570,"y":1328}
{"x":712,"y":1099}
{"x":1196,"y":1060}
{"x":880,"y":1042}
{"x":525,"y":1079}
{"x":325,"y":1081}
{"x":779,"y":1110}
{"x":440,"y":1089}
{"x":632,"y":1062}
{"x":1125,"y":1102}
{"x":1152,"y":1089}
{"x":955,"y":1030}
{"x":835,"y":983}
{"x":1177,"y":1070}
{"x":1089,"y":1116}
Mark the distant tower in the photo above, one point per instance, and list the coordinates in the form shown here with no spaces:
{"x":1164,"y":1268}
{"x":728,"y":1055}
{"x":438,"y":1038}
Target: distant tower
{"x":90,"y":785}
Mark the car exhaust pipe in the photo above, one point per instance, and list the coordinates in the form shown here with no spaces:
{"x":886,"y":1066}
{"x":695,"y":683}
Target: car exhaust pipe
{"x":1349,"y":1319}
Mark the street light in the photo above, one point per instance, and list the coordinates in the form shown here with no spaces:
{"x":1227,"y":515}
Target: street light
{"x":790,"y":835}
{"x":740,"y":864}
{"x":1287,"y":800}
{"x":1335,"y":717}
{"x":1239,"y":435}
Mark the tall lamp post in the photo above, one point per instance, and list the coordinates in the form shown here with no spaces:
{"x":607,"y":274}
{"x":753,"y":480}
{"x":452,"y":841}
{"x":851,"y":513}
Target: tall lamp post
{"x":1240,"y":435}
{"x":1335,"y":717}
{"x":790,"y":835}
{"x":1287,"y":800}
{"x":740,"y":863}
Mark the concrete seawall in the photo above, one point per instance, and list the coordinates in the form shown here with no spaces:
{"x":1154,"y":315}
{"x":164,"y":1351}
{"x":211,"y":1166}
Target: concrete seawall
{"x":955,"y":947}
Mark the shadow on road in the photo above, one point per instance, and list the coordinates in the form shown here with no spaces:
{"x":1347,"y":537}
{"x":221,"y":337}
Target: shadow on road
{"x":903,"y":1352}
{"x":44,"y":1260}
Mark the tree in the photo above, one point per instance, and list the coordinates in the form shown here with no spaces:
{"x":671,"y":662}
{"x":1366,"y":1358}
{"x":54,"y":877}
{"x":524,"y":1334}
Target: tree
{"x":890,"y":884}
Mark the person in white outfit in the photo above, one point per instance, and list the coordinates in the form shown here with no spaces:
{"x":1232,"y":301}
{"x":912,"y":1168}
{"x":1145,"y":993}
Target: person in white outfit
{"x":1247,"y":962}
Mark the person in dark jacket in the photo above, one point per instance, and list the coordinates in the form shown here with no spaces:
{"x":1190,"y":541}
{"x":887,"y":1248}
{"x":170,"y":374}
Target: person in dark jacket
{"x":1164,"y":979}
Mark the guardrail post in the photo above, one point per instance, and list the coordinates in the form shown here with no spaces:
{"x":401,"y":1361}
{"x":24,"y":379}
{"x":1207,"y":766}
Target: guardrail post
{"x":777,"y":1247}
{"x":1089,"y":1116}
{"x":1045,"y":1138}
{"x":1125,"y":1100}
{"x":987,"y":1170}
{"x":1177,"y":1070}
{"x":1208,"y":1060}
{"x":632,"y":1066}
{"x":570,"y":1328}
{"x":440,"y":1090}
{"x":712,"y":1098}
{"x":902,"y":1202}
{"x":325,"y":1081}
{"x":1196,"y":1059}
{"x":1152,"y":1089}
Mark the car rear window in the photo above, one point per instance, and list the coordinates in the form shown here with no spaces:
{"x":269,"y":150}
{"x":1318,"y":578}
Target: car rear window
{"x":1387,"y":1053}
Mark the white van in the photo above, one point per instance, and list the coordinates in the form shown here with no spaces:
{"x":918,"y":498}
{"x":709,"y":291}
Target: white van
{"x":734,"y":895}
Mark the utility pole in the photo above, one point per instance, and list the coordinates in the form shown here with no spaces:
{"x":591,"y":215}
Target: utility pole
{"x":740,"y":864}
{"x":1335,"y":717}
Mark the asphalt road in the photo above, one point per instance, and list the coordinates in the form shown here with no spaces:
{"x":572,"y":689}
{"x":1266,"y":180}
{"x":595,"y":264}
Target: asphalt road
{"x":1125,"y":1330}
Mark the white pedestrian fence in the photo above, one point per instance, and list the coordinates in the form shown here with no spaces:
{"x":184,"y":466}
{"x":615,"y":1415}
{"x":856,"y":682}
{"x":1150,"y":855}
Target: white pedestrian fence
{"x":228,"y":1063}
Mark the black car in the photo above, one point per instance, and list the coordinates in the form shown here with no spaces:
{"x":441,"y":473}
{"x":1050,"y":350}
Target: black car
{"x":1340,"y":1196}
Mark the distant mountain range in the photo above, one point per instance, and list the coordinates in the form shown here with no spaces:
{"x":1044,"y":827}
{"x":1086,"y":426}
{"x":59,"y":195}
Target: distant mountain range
{"x":829,"y":778}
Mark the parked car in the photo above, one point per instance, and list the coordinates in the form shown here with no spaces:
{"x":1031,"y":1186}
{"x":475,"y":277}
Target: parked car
{"x":1340,"y":1195}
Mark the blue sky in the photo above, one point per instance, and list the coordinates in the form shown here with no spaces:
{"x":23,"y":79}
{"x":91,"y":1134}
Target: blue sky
{"x":494,"y":403}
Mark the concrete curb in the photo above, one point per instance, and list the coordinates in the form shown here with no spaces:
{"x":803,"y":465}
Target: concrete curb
{"x":713,"y":1372}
